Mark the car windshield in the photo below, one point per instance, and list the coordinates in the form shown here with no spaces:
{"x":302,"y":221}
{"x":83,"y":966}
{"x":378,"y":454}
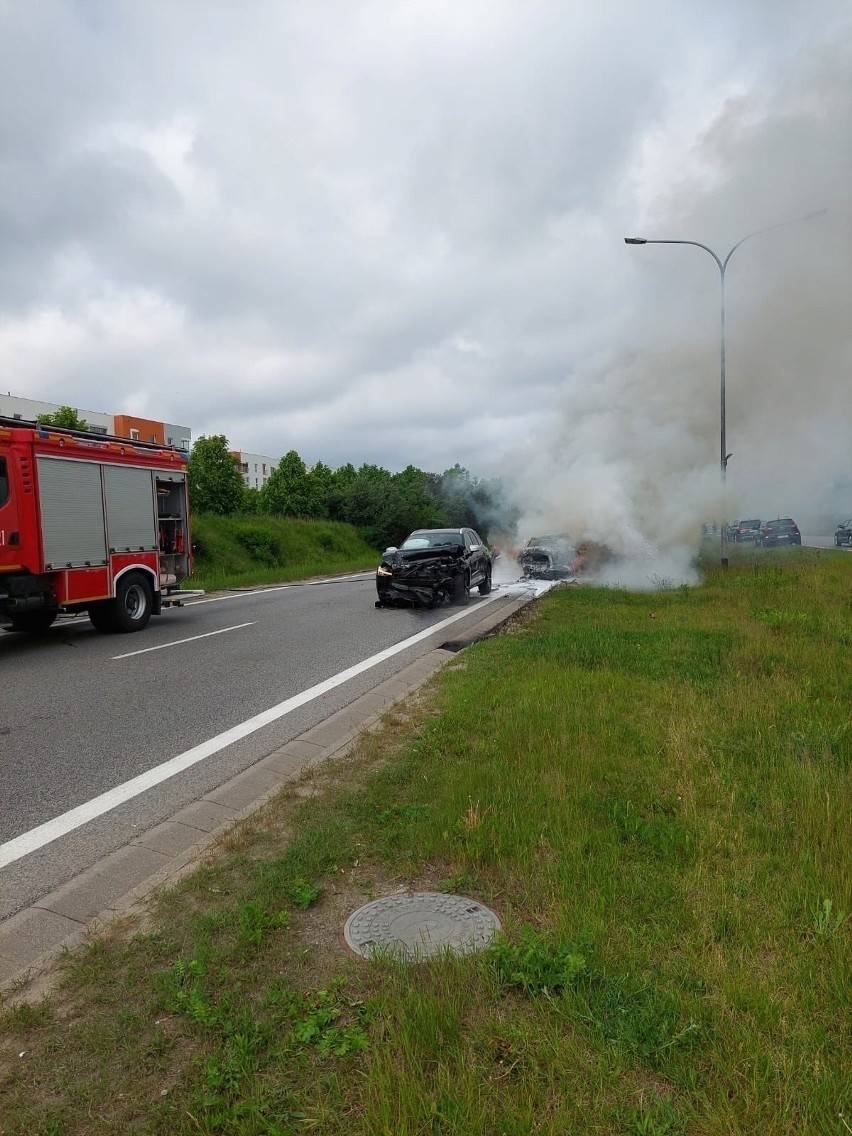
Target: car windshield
{"x":432,"y":539}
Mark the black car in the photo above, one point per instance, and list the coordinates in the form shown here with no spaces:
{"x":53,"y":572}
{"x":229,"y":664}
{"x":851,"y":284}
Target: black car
{"x":745,"y":532}
{"x":783,"y":530}
{"x":843,"y":534}
{"x":551,"y":557}
{"x":434,"y":566}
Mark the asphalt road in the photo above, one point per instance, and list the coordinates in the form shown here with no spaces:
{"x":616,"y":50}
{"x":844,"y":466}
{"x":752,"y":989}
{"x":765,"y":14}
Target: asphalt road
{"x":82,"y":712}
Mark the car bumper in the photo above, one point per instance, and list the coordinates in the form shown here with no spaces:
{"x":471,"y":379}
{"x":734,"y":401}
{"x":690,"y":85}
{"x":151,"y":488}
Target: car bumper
{"x":411,"y":591}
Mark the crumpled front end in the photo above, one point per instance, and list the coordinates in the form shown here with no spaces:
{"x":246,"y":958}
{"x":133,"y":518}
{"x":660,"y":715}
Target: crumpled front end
{"x":415,"y":579}
{"x":536,"y":564}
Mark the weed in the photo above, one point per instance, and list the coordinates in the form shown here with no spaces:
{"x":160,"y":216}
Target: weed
{"x":827,"y":921}
{"x":461,"y":883}
{"x":302,"y":894}
{"x":535,"y":964}
{"x":181,"y":991}
{"x":255,"y":923}
{"x":345,"y":1041}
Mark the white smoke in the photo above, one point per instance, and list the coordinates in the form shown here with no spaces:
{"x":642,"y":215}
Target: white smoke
{"x":632,"y":458}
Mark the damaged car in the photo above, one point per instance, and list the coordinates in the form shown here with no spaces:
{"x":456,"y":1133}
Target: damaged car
{"x":434,"y":566}
{"x":550,"y":557}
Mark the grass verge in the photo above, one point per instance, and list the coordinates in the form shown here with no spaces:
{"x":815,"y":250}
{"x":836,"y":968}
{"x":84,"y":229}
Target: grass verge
{"x":651,"y":790}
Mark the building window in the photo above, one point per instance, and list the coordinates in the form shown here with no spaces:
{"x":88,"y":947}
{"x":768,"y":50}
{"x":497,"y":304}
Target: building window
{"x":134,"y":435}
{"x":98,"y":429}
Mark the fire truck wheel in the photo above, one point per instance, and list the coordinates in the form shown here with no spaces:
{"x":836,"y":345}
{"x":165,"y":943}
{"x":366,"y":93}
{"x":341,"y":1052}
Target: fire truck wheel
{"x":32,"y":621}
{"x":134,"y":598}
{"x":102,"y":616}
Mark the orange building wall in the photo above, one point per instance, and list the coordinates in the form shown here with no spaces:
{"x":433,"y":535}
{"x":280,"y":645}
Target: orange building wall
{"x":149,"y":431}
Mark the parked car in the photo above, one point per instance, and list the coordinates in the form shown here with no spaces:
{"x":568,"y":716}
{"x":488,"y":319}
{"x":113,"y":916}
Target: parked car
{"x":783,"y":530}
{"x":434,"y":566}
{"x":843,"y":534}
{"x":745,"y":532}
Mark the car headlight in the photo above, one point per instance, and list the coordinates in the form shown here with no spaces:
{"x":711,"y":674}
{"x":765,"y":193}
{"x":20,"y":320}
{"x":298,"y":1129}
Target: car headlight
{"x":383,"y":570}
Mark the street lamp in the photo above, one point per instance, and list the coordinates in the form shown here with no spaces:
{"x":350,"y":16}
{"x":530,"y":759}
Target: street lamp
{"x":723,"y":264}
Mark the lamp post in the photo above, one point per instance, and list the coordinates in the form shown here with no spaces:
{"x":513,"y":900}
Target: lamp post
{"x":722,"y":265}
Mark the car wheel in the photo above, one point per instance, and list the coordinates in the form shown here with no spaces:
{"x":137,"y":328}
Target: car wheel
{"x":33,"y":622}
{"x":134,"y":600}
{"x":485,"y":586}
{"x":461,"y":588}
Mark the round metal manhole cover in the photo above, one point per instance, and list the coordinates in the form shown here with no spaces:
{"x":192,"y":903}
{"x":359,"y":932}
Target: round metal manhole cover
{"x":419,"y":925}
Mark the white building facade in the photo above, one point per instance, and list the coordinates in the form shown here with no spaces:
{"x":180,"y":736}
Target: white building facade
{"x":255,"y":468}
{"x":28,"y":409}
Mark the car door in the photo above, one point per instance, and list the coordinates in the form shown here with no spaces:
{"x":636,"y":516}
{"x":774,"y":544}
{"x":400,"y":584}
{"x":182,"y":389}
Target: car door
{"x":478,"y":556}
{"x":471,"y":556}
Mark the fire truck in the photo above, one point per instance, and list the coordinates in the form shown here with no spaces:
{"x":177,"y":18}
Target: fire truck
{"x":89,"y":523}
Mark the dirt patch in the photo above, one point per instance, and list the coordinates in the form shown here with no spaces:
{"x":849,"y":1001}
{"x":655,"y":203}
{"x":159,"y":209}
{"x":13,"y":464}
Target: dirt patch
{"x":319,"y":930}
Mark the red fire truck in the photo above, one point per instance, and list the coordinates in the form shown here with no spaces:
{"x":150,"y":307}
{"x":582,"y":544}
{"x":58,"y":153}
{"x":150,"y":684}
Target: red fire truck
{"x":91,"y":523}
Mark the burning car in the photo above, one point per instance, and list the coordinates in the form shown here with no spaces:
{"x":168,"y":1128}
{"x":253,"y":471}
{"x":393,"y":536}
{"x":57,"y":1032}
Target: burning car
{"x":434,"y":566}
{"x":549,"y":557}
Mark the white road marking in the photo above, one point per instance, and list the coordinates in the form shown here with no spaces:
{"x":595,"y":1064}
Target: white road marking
{"x":241,"y":595}
{"x":279,"y":588}
{"x":67,"y":822}
{"x":178,"y":642}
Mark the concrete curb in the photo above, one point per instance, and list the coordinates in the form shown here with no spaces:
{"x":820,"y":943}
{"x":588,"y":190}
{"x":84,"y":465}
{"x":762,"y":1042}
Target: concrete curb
{"x":85,"y":906}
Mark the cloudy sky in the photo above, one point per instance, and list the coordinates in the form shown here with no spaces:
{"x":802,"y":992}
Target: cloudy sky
{"x":391,"y":231}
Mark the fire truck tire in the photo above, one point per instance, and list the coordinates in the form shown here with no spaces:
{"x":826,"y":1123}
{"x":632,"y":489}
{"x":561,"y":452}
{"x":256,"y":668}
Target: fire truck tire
{"x":33,"y":621}
{"x":102,"y":616}
{"x":134,"y":599}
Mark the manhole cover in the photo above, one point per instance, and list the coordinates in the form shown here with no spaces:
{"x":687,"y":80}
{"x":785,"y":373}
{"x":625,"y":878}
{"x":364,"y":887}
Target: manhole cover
{"x":419,"y":925}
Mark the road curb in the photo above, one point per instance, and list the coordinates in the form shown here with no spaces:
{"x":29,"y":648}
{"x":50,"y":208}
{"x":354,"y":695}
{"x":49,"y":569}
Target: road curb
{"x":87,"y":905}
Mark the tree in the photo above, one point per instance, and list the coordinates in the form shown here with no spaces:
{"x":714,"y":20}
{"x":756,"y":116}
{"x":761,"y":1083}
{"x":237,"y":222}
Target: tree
{"x":287,"y":493}
{"x":65,"y":416}
{"x":320,"y":481}
{"x":215,"y":482}
{"x":251,"y":505}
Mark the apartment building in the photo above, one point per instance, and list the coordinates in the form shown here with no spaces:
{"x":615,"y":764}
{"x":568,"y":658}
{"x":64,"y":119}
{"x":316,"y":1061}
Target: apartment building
{"x":119,"y":425}
{"x":255,"y":468}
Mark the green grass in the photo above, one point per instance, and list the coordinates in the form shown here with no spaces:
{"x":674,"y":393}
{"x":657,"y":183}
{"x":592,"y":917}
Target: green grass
{"x":653,"y":793}
{"x":246,"y":550}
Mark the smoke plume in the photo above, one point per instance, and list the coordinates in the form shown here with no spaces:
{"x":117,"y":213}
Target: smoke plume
{"x":632,"y":459}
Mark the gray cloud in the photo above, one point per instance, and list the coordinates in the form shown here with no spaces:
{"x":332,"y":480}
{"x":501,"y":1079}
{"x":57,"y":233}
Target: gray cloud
{"x":391,"y":232}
